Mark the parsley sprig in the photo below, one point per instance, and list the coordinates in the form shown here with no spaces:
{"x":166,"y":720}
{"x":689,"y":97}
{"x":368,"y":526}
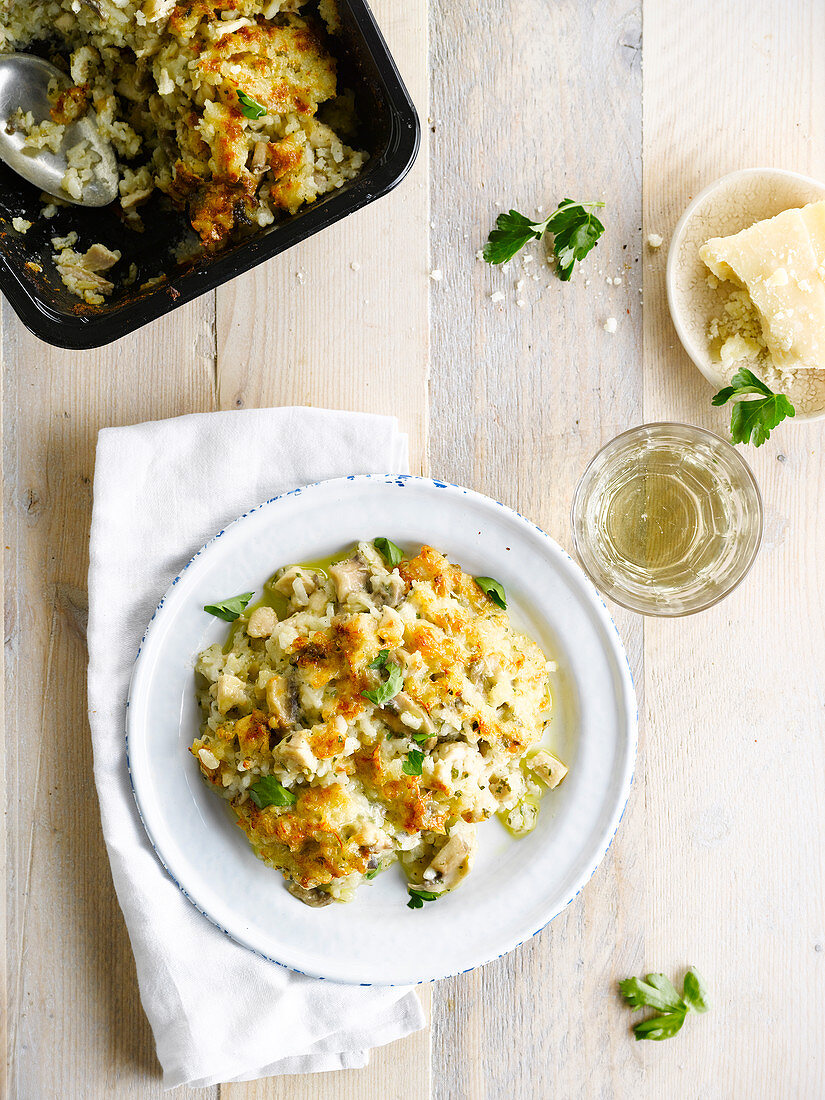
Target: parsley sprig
{"x":381,"y":695}
{"x":269,"y":791}
{"x":659,"y":992}
{"x":393,"y":554}
{"x":493,"y":590}
{"x":250,"y":108}
{"x":230,"y":609}
{"x":418,"y":897}
{"x":413,"y":762}
{"x":753,"y":421}
{"x":574,"y":226}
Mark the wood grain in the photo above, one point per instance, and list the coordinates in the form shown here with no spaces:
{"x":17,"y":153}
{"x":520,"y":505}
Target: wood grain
{"x":74,"y":1019}
{"x":75,"y":1022}
{"x":533,"y":102}
{"x":734,"y":697}
{"x":719,"y":858}
{"x":354,"y":335}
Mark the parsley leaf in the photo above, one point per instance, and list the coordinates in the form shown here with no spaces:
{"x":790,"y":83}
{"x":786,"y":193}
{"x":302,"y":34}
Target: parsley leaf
{"x":389,"y":689}
{"x":494,"y":590}
{"x":380,"y":660}
{"x":694,"y":993}
{"x":390,"y":551}
{"x":420,"y":738}
{"x":753,"y":421}
{"x":412,"y":765}
{"x":371,"y":874}
{"x":269,"y":791}
{"x":658,"y":992}
{"x":229,"y":610}
{"x":575,"y":231}
{"x":511,"y":234}
{"x":250,"y":108}
{"x":574,"y":226}
{"x":418,"y":897}
{"x":660,"y":1027}
{"x":651,"y":994}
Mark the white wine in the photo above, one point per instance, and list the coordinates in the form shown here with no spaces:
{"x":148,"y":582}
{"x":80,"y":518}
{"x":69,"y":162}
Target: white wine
{"x":665,"y":517}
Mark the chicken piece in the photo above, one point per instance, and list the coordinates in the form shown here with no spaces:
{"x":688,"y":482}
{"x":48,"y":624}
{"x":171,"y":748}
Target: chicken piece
{"x":99,"y":258}
{"x":231,"y":693}
{"x":296,"y":751}
{"x":296,"y":583}
{"x":547,"y":767}
{"x":282,"y":700}
{"x":391,"y":628}
{"x":252,"y":732}
{"x":262,"y":622}
{"x":454,"y":860}
{"x":349,"y":577}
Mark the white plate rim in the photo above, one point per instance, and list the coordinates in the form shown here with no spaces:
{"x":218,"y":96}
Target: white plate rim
{"x":611,"y":633}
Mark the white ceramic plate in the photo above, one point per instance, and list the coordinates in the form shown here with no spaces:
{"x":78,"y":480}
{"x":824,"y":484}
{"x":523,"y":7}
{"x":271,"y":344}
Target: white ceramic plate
{"x":516,"y":887}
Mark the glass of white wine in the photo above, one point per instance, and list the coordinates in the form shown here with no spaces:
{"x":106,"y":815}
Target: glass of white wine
{"x":667,"y":519}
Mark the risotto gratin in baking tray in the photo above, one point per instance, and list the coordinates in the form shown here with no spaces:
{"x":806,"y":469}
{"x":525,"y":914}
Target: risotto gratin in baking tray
{"x":388,"y":129}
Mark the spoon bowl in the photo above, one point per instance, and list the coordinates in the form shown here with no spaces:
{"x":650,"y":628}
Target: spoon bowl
{"x":24,"y":85}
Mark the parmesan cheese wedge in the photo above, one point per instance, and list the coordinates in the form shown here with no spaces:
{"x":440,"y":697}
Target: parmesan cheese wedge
{"x":780,"y":262}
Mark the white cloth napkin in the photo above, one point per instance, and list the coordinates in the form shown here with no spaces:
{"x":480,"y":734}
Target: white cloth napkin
{"x":218,"y":1012}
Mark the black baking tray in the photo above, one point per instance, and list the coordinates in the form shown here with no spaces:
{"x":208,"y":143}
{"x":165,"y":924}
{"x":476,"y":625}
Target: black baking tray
{"x":389,"y":130}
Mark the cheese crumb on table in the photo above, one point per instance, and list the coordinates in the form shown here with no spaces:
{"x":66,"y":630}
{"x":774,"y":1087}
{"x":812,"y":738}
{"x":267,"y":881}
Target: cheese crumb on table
{"x":610,"y":325}
{"x":497,"y":296}
{"x":21,"y":225}
{"x":436,"y":275}
{"x":654,"y":240}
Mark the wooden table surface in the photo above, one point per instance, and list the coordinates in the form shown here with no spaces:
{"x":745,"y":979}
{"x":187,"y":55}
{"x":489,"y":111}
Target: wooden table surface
{"x":719,"y":859}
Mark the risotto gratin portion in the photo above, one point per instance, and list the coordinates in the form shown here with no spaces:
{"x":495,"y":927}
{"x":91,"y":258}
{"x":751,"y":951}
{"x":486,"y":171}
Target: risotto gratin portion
{"x":374,"y":711}
{"x":231,"y":108}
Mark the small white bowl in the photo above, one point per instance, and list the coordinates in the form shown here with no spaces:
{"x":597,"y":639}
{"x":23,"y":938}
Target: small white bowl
{"x":727,"y":206}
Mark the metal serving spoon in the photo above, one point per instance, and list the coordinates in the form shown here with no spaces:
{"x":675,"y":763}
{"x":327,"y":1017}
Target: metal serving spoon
{"x":24,"y":83}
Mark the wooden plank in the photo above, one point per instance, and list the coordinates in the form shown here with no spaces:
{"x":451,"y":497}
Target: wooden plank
{"x":734,"y":696}
{"x":71,"y":983}
{"x":75,"y":1023}
{"x":352,"y":333}
{"x":4,"y":970}
{"x":341,"y":320}
{"x":533,"y":102}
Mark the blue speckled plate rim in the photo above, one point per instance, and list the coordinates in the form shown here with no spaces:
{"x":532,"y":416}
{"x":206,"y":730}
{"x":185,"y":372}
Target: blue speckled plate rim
{"x":623,"y":665}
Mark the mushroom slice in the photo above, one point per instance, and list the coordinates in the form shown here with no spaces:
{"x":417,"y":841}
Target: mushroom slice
{"x":547,"y":767}
{"x":418,"y":719}
{"x":454,"y":859}
{"x":314,"y":897}
{"x":388,"y":590}
{"x":282,"y":700}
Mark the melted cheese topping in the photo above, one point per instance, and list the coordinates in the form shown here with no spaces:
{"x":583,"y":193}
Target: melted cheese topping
{"x":368,"y":782}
